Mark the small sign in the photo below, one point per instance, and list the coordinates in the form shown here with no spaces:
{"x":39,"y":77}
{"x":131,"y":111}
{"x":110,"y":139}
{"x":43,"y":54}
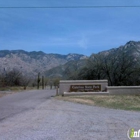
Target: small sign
{"x":85,"y":88}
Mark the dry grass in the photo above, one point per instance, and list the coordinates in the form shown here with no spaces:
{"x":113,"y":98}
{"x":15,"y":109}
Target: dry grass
{"x":77,"y":100}
{"x":125,"y":102}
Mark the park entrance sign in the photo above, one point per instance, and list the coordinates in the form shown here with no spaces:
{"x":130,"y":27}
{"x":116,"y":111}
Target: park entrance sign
{"x":82,"y":86}
{"x":94,"y":87}
{"x":85,"y":88}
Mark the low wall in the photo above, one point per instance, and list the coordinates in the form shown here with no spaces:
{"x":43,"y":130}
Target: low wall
{"x":64,"y":85}
{"x":84,"y":93}
{"x":123,"y":90}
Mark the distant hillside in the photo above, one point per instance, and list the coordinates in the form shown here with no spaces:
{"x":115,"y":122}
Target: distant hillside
{"x":116,"y":60}
{"x":30,"y":63}
{"x":121,"y":66}
{"x":130,"y":48}
{"x":110,"y":64}
{"x":67,"y":70}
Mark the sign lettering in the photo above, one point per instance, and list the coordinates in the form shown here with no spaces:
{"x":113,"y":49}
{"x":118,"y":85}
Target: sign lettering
{"x":85,"y":88}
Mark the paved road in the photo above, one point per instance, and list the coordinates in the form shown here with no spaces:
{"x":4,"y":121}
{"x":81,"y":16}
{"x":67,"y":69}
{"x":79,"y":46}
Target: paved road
{"x":13,"y":104}
{"x":51,"y":119}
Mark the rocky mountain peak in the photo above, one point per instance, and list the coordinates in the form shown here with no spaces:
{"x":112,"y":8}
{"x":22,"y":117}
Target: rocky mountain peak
{"x":74,"y":56}
{"x":33,"y":62}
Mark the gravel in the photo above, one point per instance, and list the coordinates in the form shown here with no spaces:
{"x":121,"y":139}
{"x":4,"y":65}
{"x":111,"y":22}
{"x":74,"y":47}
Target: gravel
{"x":53,"y":119}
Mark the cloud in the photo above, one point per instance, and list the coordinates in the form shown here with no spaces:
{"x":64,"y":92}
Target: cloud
{"x":83,"y":42}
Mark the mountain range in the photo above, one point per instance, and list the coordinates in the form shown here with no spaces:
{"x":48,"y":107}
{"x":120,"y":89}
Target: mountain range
{"x":57,"y":65}
{"x":131,"y":50}
{"x":31,"y":63}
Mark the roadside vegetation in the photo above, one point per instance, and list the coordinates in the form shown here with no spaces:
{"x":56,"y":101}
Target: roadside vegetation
{"x":13,"y":81}
{"x":124,"y":102}
{"x":120,"y":68}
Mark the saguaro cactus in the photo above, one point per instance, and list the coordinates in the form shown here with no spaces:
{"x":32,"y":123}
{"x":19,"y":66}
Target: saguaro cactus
{"x":42,"y":82}
{"x":38,"y":80}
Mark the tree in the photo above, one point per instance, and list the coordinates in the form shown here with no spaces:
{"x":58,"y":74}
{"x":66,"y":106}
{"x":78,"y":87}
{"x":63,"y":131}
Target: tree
{"x":56,"y":82}
{"x":120,"y":68}
{"x":13,"y":78}
{"x":25,"y":81}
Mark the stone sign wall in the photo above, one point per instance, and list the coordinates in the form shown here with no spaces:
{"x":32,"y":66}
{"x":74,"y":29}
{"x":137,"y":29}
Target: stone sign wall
{"x":94,"y":87}
{"x":82,"y":86}
{"x":116,"y":90}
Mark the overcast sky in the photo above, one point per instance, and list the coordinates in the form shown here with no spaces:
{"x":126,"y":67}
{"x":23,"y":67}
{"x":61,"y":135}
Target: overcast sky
{"x":68,"y":30}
